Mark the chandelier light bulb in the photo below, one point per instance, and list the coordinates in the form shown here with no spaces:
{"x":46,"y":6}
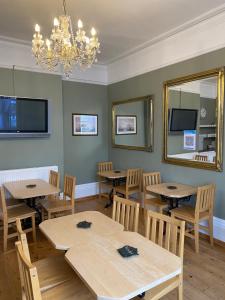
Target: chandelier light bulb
{"x":87,"y":40}
{"x":80,"y":24}
{"x":48,"y":43}
{"x":93,"y":31}
{"x":37,"y":28}
{"x":56,"y":22}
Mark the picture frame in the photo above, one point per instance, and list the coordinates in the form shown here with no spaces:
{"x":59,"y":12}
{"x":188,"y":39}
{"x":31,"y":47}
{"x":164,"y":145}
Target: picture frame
{"x":84,"y":124}
{"x":126,"y":124}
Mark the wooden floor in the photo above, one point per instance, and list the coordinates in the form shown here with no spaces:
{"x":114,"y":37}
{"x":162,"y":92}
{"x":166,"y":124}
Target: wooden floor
{"x":204,"y":273}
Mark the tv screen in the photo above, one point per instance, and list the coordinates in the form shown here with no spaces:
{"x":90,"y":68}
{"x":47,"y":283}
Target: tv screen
{"x":183,"y":119}
{"x":23,"y":115}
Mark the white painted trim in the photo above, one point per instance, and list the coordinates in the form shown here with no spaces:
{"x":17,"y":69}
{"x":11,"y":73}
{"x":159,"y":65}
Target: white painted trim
{"x":218,"y":229}
{"x":87,"y":189}
{"x":199,"y":39}
{"x":20,"y":56}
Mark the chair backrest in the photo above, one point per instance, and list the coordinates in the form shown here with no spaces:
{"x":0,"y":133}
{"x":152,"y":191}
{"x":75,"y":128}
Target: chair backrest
{"x":151,"y":179}
{"x":205,"y":199}
{"x":23,"y":239}
{"x":201,"y":157}
{"x":105,"y":166}
{"x":28,"y":276}
{"x":165,"y":231}
{"x":3,"y":207}
{"x":133,"y":178}
{"x":126,"y":212}
{"x":69,"y":188}
{"x":54,"y":178}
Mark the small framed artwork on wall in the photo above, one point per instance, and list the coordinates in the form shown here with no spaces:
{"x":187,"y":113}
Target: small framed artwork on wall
{"x":126,"y":124}
{"x":84,"y":124}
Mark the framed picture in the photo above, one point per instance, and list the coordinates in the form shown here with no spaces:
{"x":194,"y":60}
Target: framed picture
{"x":126,"y":124}
{"x":84,"y":124}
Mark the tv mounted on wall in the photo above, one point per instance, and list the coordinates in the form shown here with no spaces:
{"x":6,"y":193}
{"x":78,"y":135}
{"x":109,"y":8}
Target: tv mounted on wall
{"x":24,"y":117}
{"x":183,"y":119}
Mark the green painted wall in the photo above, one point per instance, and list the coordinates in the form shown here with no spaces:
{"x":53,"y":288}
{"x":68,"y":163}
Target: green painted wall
{"x":32,"y":152}
{"x":81,"y":153}
{"x":152,"y":83}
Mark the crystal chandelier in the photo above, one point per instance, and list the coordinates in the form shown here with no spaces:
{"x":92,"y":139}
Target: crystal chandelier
{"x":64,"y":47}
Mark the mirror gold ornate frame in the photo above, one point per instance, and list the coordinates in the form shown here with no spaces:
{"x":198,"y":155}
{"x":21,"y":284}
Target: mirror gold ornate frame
{"x":148,"y":126}
{"x":218,"y":164}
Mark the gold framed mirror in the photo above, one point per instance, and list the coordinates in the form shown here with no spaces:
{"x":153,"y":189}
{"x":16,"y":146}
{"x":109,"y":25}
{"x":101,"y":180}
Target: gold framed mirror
{"x":132,"y":124}
{"x":193,"y":120}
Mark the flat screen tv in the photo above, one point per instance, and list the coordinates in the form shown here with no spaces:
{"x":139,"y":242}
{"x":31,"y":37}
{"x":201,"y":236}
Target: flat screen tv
{"x":183,"y":119}
{"x":24,"y":117}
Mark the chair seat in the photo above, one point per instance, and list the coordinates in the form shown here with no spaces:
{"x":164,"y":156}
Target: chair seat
{"x":122,"y":189}
{"x":187,"y":213}
{"x":162,"y":289}
{"x":13,"y":202}
{"x":70,"y":290}
{"x":22,"y":212}
{"x":53,"y":271}
{"x":56,"y":205}
{"x":155,"y":202}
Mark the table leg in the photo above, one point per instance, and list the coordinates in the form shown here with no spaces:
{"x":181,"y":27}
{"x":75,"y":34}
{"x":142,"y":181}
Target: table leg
{"x":115,"y":182}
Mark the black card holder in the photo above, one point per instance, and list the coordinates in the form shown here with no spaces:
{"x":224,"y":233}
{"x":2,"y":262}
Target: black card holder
{"x":84,"y":224}
{"x":127,"y":251}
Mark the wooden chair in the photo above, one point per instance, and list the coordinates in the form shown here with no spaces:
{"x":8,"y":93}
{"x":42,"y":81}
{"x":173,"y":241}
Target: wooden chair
{"x":52,"y":270}
{"x":168,"y":233}
{"x":61,"y":206}
{"x":8,"y":216}
{"x":203,"y":211}
{"x":199,"y":157}
{"x":70,"y":290}
{"x":103,"y":167}
{"x":54,"y":179}
{"x":126,"y":212}
{"x":148,"y":198}
{"x":133,"y":183}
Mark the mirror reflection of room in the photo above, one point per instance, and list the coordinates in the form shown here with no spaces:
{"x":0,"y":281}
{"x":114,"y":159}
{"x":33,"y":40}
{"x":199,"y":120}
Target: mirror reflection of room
{"x":192,"y":120}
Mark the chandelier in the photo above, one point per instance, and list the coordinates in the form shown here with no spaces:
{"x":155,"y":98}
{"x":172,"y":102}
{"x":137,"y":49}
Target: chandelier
{"x":64,"y":47}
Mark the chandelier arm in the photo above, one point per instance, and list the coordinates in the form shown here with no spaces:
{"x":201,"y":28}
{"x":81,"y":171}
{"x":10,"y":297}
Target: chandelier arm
{"x":64,"y":7}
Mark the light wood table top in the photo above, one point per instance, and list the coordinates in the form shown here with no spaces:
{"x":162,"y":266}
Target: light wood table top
{"x":19,"y":190}
{"x":113,"y":174}
{"x":110,"y":276}
{"x":181,"y":191}
{"x":64,"y":234}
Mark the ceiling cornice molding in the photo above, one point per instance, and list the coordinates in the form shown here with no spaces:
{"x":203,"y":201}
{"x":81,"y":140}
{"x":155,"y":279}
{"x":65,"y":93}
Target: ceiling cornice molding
{"x":182,"y":43}
{"x":187,"y":25}
{"x":202,"y":38}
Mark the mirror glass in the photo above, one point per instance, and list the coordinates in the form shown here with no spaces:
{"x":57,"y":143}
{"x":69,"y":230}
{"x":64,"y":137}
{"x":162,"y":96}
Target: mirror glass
{"x":193,"y":125}
{"x":133,"y":124}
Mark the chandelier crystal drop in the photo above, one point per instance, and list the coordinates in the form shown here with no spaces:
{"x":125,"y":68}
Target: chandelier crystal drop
{"x":64,"y":47}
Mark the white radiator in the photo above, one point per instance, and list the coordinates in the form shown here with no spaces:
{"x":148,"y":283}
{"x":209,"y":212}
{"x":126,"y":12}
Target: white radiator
{"x":29,"y":173}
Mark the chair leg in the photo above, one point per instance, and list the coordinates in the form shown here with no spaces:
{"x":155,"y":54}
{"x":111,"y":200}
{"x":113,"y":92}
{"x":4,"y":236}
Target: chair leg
{"x":33,"y":228}
{"x":180,"y":288}
{"x":196,"y":228}
{"x":49,"y":215}
{"x":42,"y":214}
{"x":100,"y":191}
{"x":5,"y":236}
{"x":210,"y":221}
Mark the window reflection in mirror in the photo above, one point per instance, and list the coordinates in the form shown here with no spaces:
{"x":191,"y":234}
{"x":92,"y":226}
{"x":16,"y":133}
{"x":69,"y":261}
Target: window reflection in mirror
{"x":193,"y":120}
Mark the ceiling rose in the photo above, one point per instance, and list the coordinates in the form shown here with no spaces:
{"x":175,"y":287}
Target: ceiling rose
{"x":64,"y":47}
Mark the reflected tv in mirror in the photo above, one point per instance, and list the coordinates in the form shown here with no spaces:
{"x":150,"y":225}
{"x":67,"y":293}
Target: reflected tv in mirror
{"x":183,"y":119}
{"x":24,"y":117}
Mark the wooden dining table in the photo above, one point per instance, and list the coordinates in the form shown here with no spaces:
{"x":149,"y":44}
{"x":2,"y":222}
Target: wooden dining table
{"x":172,"y":192}
{"x":93,"y":255}
{"x":30,"y":190}
{"x":116,"y":176}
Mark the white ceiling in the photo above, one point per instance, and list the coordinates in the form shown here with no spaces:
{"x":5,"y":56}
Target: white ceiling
{"x":123,"y":25}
